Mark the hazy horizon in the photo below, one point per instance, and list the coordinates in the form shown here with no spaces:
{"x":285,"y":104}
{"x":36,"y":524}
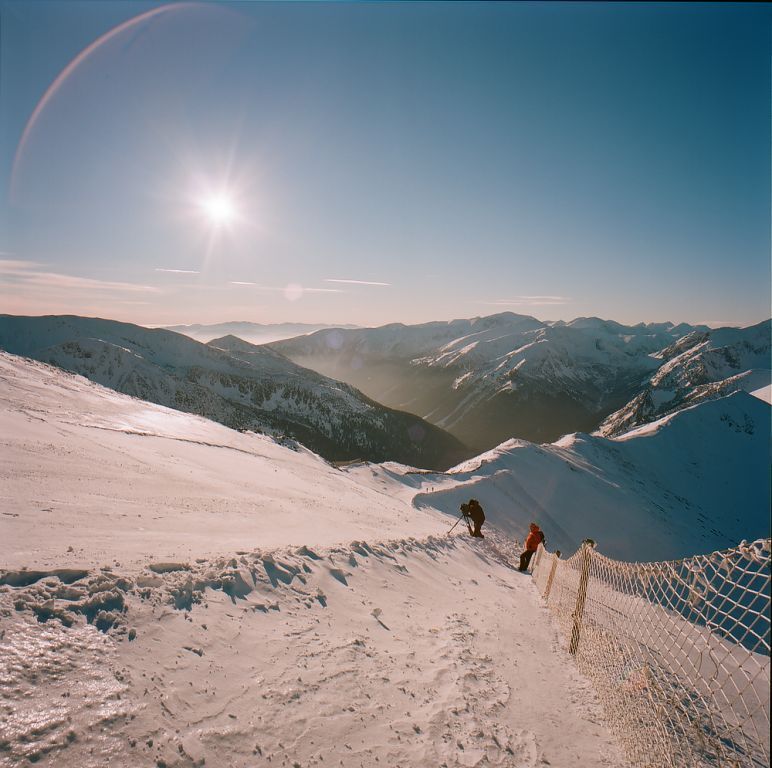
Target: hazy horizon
{"x":371,"y":163}
{"x":547,"y":320}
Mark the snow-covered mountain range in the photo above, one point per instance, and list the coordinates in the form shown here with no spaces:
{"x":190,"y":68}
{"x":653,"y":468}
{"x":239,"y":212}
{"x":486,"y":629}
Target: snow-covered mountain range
{"x":254,"y":333}
{"x":491,"y":378}
{"x":263,"y":391}
{"x":703,"y":365}
{"x":481,"y":380}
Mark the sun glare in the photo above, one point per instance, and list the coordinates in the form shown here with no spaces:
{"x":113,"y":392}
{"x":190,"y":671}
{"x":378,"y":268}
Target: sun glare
{"x":219,"y":209}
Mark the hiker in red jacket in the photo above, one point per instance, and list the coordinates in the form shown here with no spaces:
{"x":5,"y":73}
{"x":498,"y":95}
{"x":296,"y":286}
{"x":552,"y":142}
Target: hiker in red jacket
{"x":535,"y":537}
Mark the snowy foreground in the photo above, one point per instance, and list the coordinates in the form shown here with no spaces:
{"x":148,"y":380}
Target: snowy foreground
{"x":175,"y":594}
{"x":408,"y":653}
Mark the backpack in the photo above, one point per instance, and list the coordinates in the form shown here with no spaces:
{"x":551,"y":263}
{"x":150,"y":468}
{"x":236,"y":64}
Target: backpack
{"x":476,"y":511}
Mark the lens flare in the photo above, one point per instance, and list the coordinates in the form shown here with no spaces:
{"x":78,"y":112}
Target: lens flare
{"x":73,"y":65}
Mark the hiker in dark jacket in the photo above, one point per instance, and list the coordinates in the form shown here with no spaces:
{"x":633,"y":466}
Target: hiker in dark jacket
{"x":535,"y":537}
{"x":474,"y":512}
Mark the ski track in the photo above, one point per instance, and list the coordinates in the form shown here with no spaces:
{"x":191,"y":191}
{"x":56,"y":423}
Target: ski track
{"x":406,"y":653}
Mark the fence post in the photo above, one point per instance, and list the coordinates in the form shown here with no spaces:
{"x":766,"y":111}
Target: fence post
{"x":539,"y":552}
{"x":552,"y":575}
{"x":581,"y":595}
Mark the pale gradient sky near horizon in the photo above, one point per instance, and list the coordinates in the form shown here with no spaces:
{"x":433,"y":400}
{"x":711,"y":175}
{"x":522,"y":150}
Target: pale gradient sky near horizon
{"x":387,"y":162}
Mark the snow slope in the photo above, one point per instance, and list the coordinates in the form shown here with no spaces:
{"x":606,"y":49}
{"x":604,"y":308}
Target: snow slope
{"x":693,"y":482}
{"x":266,"y":393}
{"x":175,"y":594}
{"x":120,"y":478}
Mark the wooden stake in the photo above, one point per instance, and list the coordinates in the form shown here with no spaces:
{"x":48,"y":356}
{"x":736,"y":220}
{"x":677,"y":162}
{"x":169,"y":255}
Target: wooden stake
{"x":539,"y":551}
{"x":581,"y":595}
{"x":552,"y":575}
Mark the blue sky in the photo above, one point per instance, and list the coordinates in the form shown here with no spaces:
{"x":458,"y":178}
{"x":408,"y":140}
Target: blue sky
{"x":381,"y":162}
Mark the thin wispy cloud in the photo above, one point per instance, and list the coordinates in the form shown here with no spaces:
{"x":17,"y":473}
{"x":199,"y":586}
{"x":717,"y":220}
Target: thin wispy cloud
{"x":528,"y":301}
{"x":178,"y":271}
{"x":354,"y":282}
{"x":11,"y":265}
{"x":283,"y":289}
{"x":323,"y":290}
{"x":28,"y":273}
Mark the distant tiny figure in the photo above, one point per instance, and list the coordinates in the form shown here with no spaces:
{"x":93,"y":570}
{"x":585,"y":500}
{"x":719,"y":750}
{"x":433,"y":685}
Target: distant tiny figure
{"x":474,"y":512}
{"x":535,"y":537}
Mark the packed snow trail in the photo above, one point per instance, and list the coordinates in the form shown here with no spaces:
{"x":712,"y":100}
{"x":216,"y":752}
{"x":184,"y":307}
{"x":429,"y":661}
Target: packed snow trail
{"x":432,"y":652}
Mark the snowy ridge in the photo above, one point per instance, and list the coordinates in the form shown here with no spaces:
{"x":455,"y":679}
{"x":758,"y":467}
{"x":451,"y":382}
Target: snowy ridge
{"x":694,"y":481}
{"x":262,"y":392}
{"x":566,"y":356}
{"x":121,"y":478}
{"x":701,"y":366}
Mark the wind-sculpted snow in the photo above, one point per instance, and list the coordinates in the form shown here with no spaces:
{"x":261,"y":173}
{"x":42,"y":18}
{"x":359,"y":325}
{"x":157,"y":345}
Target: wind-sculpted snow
{"x":260,"y":390}
{"x":405,"y":652}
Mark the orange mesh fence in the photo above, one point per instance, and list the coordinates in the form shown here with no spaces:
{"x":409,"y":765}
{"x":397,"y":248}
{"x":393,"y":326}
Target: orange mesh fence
{"x":678,"y":651}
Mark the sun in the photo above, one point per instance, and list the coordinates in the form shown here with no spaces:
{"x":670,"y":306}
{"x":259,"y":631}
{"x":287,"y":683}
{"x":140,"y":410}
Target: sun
{"x":219,"y":209}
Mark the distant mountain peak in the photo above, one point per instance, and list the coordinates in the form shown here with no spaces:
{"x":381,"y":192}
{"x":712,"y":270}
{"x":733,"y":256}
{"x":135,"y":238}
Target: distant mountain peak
{"x":701,"y":365}
{"x":254,"y":333}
